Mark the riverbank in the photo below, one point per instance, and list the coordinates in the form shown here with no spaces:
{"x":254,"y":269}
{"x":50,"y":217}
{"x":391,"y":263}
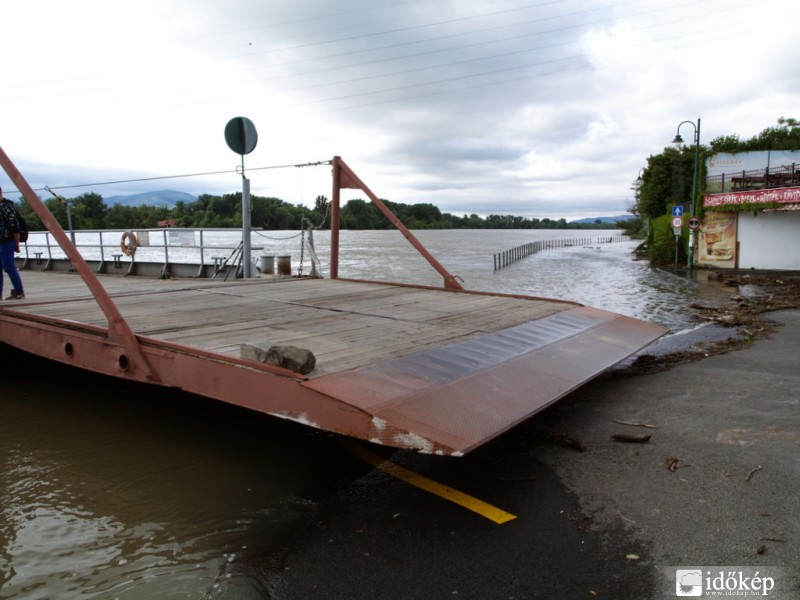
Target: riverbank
{"x":722,"y":326}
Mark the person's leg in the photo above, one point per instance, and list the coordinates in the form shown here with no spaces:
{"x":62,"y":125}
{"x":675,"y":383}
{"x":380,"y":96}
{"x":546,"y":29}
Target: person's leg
{"x":2,"y":267}
{"x":10,"y":267}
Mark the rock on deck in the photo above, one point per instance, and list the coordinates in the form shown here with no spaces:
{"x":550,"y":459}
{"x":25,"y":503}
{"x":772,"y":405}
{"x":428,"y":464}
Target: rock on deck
{"x":441,"y":371}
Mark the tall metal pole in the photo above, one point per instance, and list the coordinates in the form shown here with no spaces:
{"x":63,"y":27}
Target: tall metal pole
{"x":241,"y":137}
{"x":679,"y":141}
{"x":694,"y":189}
{"x":246,"y":264}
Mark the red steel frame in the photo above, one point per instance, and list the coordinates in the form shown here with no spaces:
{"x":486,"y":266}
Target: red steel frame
{"x":344,"y":177}
{"x":119,"y":352}
{"x":400,"y":403}
{"x":120,"y":333}
{"x":118,"y":329}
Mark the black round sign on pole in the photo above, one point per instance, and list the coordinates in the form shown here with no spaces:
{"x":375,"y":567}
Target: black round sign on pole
{"x":241,"y":135}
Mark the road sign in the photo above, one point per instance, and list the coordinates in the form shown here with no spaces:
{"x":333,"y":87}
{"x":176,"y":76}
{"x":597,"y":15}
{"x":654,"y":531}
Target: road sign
{"x":241,"y":135}
{"x":677,"y":222}
{"x":694,"y":223}
{"x":677,"y":210}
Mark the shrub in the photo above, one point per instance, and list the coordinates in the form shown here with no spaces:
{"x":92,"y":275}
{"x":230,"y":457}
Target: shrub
{"x":661,"y":246}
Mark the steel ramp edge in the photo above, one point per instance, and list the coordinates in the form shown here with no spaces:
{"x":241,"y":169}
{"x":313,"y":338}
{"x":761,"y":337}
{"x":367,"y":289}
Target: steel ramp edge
{"x":452,"y":399}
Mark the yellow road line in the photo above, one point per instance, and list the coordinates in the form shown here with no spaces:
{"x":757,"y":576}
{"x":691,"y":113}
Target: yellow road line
{"x":469,"y":502}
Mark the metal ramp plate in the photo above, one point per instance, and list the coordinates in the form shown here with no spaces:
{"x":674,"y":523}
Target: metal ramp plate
{"x":454,"y":398}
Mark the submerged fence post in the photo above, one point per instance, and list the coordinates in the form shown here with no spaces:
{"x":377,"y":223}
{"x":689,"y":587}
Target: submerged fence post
{"x":508,"y":257}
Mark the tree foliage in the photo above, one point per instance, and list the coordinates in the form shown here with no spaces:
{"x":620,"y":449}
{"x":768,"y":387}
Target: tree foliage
{"x":89,"y":211}
{"x":667,"y":180}
{"x":784,"y":136}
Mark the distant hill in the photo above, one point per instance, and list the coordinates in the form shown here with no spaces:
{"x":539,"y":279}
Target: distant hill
{"x":166,"y":198}
{"x":616,"y":219}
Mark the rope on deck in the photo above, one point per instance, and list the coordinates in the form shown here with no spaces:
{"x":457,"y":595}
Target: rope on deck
{"x":508,"y":257}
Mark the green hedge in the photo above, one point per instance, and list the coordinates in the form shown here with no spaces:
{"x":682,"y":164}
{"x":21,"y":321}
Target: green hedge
{"x":661,"y":245}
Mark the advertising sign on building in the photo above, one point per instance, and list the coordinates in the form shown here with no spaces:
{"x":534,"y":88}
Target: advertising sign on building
{"x":775,"y":196}
{"x":721,"y":163}
{"x":718,"y":240}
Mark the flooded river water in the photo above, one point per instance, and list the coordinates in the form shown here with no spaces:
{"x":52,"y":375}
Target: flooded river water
{"x":114,"y":490}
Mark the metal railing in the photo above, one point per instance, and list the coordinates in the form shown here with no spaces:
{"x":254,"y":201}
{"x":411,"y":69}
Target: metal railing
{"x":755,"y":179}
{"x":201,"y":247}
{"x":508,"y":257}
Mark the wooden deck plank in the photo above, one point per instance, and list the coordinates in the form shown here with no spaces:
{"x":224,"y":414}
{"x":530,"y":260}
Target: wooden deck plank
{"x":346,"y":324}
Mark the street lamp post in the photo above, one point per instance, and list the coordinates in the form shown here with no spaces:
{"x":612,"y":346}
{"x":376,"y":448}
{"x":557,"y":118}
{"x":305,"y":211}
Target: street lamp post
{"x":678,"y":141}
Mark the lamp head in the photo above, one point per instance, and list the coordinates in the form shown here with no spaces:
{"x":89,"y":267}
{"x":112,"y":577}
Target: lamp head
{"x":678,"y":141}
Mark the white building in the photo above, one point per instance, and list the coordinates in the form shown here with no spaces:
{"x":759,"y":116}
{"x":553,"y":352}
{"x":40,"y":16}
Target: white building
{"x":756,"y":222}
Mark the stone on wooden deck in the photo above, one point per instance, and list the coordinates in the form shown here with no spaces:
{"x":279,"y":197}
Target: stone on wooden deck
{"x":299,"y":360}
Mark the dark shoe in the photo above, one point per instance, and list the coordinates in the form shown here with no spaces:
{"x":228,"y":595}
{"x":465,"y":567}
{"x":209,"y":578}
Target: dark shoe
{"x":15,"y":295}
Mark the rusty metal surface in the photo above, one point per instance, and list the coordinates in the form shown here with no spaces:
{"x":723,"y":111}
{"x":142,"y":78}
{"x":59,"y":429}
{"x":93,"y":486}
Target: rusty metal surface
{"x":248,"y":384}
{"x":117,"y":326}
{"x":460,"y":396}
{"x":447,"y":400}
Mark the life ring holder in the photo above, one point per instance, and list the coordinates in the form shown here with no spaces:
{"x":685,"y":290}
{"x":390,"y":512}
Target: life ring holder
{"x":128,"y":243}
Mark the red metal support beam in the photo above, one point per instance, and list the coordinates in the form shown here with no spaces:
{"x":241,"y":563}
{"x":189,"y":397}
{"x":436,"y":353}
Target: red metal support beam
{"x":335,"y":206}
{"x":344,"y":177}
{"x":118,"y":329}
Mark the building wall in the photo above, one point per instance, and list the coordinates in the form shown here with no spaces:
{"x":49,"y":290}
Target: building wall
{"x":770,"y":240}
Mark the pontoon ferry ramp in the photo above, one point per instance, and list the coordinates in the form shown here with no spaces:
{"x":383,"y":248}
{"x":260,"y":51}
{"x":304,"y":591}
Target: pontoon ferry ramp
{"x":439,"y":370}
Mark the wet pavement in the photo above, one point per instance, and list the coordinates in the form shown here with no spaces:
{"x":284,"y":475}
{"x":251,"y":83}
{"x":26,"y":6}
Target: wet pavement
{"x":381,"y":538}
{"x":716,"y":484}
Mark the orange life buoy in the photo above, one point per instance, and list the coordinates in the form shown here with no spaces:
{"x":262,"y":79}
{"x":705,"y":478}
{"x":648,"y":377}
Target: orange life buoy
{"x":128,"y":243}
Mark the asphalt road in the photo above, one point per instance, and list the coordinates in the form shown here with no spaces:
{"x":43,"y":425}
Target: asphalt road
{"x":612,"y":521}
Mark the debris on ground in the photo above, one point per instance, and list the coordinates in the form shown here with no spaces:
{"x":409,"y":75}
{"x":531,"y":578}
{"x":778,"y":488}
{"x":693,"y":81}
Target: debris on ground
{"x":752,"y":471}
{"x":631,"y":439}
{"x":579,"y":523}
{"x":743,"y":314}
{"x":672,"y":463}
{"x":569,"y":442}
{"x":634,"y":424}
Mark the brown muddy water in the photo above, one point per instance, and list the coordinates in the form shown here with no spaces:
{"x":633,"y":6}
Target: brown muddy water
{"x":115,"y":490}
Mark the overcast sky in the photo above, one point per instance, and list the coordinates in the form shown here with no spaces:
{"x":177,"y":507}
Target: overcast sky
{"x":527,"y":107}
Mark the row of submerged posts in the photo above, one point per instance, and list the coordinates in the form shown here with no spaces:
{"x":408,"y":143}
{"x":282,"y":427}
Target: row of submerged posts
{"x":508,"y":257}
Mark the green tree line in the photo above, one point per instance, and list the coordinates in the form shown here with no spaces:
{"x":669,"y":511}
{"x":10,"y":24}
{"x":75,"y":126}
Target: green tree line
{"x":89,"y":211}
